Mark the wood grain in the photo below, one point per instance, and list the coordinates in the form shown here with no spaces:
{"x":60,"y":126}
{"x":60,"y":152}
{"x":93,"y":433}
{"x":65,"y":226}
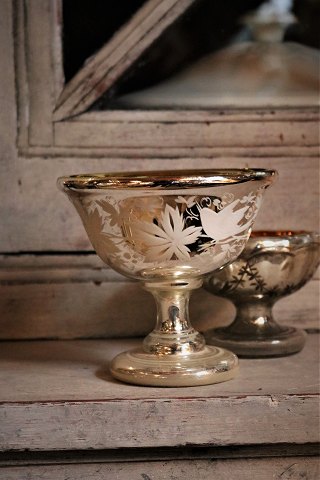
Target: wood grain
{"x":59,"y":395}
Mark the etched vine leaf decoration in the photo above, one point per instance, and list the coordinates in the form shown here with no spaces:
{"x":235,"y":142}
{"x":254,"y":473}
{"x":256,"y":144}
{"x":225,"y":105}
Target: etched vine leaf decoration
{"x":101,"y":241}
{"x":111,"y":212}
{"x":169,"y":239}
{"x":188,"y":202}
{"x":149,"y":231}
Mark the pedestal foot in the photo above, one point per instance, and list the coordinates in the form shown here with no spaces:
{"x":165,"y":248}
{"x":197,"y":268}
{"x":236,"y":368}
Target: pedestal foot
{"x":283,"y":341}
{"x":207,"y":366}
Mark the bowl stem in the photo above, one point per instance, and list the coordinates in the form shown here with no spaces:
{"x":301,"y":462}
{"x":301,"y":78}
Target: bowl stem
{"x":255,"y":318}
{"x":173,"y":333}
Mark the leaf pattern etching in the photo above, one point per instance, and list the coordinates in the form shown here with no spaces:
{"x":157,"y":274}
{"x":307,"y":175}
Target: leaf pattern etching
{"x":110,"y":210}
{"x":169,"y":239}
{"x":101,"y":241}
{"x":142,"y":232}
{"x":246,"y":275}
{"x":249,"y":276}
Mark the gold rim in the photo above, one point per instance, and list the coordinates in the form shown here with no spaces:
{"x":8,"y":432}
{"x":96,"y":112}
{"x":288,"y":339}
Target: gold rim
{"x":165,"y":179}
{"x":278,"y":233}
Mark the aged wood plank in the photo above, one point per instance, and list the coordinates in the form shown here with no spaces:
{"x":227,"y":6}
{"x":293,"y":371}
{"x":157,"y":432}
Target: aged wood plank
{"x":75,"y":296}
{"x":191,"y":134}
{"x":57,"y":40}
{"x":20,"y":65}
{"x":286,"y":468}
{"x":59,"y":395}
{"x":308,"y":114}
{"x":157,"y":423}
{"x":38,"y":19}
{"x":112,"y":60}
{"x":134,"y":154}
{"x":77,"y":371}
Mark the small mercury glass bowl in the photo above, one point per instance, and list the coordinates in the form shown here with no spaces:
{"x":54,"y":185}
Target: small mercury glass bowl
{"x":168,"y":229}
{"x":271,"y":266}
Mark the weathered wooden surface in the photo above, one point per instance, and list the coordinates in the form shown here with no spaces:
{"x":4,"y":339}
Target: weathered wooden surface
{"x":59,"y":395}
{"x":290,"y":468}
{"x":216,"y":133}
{"x":75,"y":296}
{"x":191,"y":135}
{"x":40,"y":106}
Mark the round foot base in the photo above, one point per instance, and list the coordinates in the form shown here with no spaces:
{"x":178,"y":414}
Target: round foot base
{"x":274,"y":344}
{"x":210,"y":365}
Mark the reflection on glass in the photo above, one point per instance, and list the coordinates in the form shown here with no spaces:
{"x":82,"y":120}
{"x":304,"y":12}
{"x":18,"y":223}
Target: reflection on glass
{"x":262,"y":62}
{"x":216,"y":54}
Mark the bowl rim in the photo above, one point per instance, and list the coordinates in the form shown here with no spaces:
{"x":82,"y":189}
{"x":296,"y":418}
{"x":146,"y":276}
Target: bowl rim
{"x":166,"y":179}
{"x":273,"y":239}
{"x":274,"y":234}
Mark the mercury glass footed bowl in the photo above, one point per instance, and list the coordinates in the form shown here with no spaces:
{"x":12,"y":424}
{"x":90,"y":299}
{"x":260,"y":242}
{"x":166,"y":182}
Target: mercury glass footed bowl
{"x":168,"y":229}
{"x":272,"y":265}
